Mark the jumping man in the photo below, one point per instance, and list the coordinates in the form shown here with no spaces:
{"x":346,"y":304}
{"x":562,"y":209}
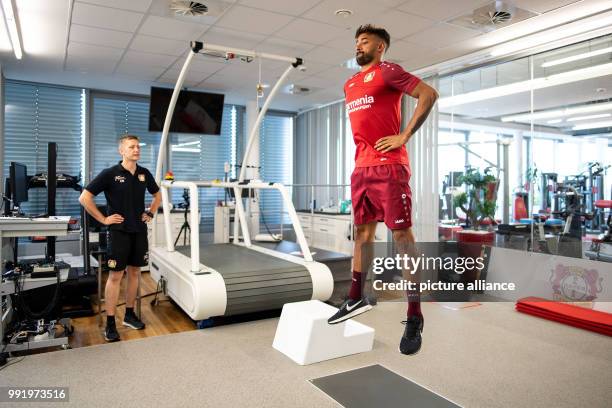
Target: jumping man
{"x":379,"y":184}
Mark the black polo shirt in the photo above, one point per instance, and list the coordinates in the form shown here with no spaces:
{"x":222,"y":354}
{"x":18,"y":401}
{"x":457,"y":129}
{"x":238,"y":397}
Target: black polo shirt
{"x":124,"y":194}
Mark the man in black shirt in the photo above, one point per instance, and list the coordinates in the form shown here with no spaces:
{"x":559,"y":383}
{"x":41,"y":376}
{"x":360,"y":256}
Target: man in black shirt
{"x":124,"y":188}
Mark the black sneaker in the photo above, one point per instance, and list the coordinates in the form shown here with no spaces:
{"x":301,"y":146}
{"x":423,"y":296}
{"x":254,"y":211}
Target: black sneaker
{"x":110,"y":333}
{"x":133,"y":321}
{"x":411,"y":340}
{"x":350,"y":308}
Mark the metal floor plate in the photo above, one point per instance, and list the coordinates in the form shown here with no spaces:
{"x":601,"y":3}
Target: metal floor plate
{"x":376,"y":386}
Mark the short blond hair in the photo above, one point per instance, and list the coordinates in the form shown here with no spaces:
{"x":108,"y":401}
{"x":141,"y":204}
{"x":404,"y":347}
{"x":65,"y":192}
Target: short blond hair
{"x":127,"y":137}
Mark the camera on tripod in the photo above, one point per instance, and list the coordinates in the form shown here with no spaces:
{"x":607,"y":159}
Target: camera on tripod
{"x":185,"y":203}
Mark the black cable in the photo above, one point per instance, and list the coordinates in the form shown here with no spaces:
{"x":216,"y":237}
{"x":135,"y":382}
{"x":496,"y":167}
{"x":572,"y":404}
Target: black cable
{"x":26,"y":309}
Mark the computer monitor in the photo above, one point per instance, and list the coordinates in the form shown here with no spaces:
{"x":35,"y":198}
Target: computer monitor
{"x":18,"y":174}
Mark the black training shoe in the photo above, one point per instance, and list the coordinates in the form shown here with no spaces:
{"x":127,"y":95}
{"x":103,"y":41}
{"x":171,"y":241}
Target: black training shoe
{"x":110,"y":333}
{"x":411,"y":340}
{"x":350,"y":308}
{"x":133,"y":322}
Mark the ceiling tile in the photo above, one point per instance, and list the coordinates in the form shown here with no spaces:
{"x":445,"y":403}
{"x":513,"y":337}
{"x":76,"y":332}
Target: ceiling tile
{"x":94,"y":52}
{"x":134,"y":5}
{"x":158,"y":45}
{"x":542,"y":6}
{"x":403,"y":50}
{"x":309,"y":31}
{"x":316,"y":82}
{"x":148,"y":71}
{"x":441,"y":10}
{"x":281,"y":46}
{"x":441,"y":35}
{"x":104,"y":17}
{"x":201,"y":63}
{"x":400,"y":24}
{"x":232,"y":38}
{"x":312,"y":68}
{"x":172,"y":28}
{"x":338,"y":74}
{"x":139,"y":58}
{"x":99,"y":36}
{"x":84,"y":64}
{"x":257,"y":21}
{"x":293,"y":8}
{"x":331,"y":56}
{"x":363,"y":10}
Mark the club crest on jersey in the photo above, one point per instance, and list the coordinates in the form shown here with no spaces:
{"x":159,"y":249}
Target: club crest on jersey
{"x":369,"y":77}
{"x":141,"y":177}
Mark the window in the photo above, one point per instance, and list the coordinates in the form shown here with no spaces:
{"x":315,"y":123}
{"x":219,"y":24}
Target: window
{"x":276,"y":161}
{"x":34,"y":116}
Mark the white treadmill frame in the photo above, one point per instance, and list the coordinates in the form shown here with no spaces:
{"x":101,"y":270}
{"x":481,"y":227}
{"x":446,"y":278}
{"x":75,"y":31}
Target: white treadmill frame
{"x":322,"y":280}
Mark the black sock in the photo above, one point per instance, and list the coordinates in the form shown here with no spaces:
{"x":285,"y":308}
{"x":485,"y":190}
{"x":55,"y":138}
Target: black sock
{"x":129,"y":311}
{"x":110,"y":320}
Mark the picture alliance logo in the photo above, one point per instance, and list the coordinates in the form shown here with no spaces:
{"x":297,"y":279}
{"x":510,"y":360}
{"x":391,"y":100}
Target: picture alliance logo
{"x":405,"y":262}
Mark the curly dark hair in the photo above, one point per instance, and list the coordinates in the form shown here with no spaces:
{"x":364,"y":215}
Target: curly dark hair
{"x":377,"y":31}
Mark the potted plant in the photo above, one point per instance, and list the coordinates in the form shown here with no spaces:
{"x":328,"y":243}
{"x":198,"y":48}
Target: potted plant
{"x":479,"y":201}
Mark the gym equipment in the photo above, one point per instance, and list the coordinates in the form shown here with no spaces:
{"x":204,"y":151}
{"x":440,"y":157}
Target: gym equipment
{"x":239,"y":277}
{"x":548,"y":188}
{"x":595,"y":252}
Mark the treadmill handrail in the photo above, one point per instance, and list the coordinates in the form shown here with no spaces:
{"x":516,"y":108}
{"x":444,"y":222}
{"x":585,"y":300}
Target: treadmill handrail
{"x":197,"y":47}
{"x":237,"y":186}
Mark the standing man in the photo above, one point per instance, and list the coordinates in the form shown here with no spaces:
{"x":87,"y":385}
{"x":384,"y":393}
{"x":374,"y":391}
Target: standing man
{"x":379,"y":184}
{"x":124,"y":188}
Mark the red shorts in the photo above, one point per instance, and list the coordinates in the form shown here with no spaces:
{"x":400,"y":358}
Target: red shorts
{"x":382,"y":193}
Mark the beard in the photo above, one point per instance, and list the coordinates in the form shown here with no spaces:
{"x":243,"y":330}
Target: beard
{"x":364,"y":59}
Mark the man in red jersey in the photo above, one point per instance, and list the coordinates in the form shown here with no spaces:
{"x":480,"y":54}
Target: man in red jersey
{"x":379,"y":184}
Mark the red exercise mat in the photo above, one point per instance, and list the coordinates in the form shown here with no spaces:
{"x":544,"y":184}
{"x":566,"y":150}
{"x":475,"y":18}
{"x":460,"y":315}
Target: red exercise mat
{"x":571,"y":322}
{"x":594,"y":320}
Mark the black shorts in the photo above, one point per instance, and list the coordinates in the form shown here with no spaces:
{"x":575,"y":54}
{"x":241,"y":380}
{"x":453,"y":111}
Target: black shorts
{"x":127,"y":248}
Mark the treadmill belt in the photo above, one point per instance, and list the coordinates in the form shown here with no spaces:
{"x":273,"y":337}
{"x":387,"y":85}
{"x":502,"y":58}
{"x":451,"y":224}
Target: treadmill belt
{"x":255,"y":281}
{"x":376,"y":386}
{"x":230,"y":259}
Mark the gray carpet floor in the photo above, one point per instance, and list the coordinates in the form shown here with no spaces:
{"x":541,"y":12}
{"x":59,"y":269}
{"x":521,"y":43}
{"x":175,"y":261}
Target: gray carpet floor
{"x":486,"y":356}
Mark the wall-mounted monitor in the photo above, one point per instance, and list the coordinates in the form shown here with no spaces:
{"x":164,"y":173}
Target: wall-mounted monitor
{"x":195,"y":112}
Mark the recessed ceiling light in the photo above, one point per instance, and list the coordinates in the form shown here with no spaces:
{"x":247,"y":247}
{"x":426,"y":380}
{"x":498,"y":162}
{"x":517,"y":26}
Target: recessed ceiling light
{"x":344,"y":13}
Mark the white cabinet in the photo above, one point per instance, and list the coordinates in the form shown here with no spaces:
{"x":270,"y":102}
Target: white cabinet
{"x":333,"y":232}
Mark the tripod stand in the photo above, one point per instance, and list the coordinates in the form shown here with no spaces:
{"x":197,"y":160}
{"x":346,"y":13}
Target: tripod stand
{"x":185,"y":227}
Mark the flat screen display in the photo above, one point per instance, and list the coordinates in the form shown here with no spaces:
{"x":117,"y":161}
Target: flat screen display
{"x":195,"y":112}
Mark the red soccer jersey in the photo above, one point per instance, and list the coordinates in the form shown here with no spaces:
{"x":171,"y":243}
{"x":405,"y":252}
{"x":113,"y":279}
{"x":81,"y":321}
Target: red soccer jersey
{"x":373,"y":101}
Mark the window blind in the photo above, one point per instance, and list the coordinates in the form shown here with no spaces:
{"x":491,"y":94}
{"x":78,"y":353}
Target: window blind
{"x":34,"y":116}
